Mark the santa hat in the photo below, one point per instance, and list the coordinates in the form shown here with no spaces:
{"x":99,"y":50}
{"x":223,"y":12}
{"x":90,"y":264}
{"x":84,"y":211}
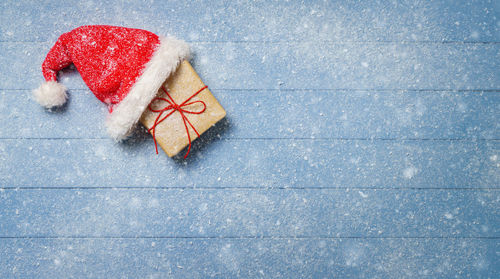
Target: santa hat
{"x":123,"y":67}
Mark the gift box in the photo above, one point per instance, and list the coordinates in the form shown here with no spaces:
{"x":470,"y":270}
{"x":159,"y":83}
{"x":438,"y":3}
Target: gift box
{"x":183,"y":109}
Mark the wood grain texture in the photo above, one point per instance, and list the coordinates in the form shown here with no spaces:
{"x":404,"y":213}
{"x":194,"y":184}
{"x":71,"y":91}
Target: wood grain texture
{"x":256,"y":163}
{"x":282,"y":114}
{"x":249,"y":257}
{"x":230,"y":213}
{"x":361,"y":140}
{"x":304,"y":65}
{"x":436,"y":21}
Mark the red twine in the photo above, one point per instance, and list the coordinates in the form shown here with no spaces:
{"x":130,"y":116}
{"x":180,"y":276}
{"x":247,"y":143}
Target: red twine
{"x":172,"y":105}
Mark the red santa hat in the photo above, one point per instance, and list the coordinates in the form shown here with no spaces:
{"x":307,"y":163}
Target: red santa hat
{"x":123,"y":67}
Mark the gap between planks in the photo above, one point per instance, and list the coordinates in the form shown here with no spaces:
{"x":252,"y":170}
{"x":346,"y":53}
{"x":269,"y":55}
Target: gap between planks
{"x":305,"y":41}
{"x":367,"y":90}
{"x":244,"y":188}
{"x":284,"y":139}
{"x":250,"y":237}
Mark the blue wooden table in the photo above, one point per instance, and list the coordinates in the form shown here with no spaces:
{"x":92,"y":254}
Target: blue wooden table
{"x":362,"y":140}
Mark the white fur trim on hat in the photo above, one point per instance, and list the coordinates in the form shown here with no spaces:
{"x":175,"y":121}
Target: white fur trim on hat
{"x":50,"y":94}
{"x":164,"y":62}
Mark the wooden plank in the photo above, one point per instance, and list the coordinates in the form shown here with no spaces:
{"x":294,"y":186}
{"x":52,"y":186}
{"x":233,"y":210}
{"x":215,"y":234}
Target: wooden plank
{"x":248,"y":202}
{"x":444,"y":20}
{"x":285,"y":114}
{"x":251,"y":163}
{"x":249,"y":213}
{"x":303,"y":65}
{"x":249,"y":258}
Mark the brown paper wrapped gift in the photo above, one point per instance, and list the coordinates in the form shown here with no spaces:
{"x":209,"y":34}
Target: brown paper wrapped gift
{"x":200,"y":112}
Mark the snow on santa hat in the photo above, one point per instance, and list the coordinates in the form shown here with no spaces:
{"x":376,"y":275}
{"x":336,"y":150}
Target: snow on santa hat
{"x":123,"y":67}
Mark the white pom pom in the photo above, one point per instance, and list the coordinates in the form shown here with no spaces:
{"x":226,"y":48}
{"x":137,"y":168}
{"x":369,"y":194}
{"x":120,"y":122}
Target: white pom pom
{"x":51,"y":94}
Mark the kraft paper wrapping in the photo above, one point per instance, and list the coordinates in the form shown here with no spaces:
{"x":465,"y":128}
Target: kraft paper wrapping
{"x":171,"y":133}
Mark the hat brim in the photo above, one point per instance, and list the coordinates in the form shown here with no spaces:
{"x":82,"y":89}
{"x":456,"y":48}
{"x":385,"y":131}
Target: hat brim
{"x":163,"y":63}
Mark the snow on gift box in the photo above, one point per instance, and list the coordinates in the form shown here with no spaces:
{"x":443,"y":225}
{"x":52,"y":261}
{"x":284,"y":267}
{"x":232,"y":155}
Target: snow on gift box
{"x":139,"y":76}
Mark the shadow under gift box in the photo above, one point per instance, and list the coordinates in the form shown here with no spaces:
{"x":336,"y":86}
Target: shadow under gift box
{"x":174,"y":100}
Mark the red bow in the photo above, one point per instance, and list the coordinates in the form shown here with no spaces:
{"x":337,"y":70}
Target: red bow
{"x":172,"y":105}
